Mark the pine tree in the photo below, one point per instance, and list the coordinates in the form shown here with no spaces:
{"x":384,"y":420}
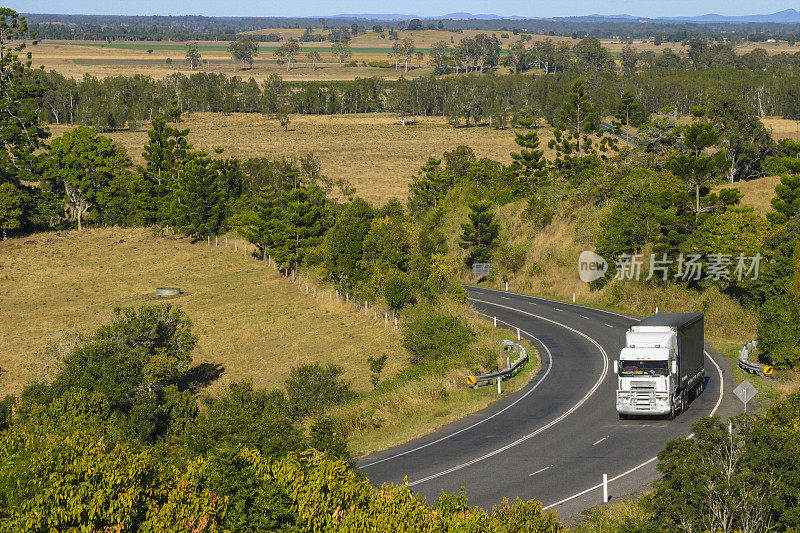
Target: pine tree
{"x":529,"y":165}
{"x":12,"y":205}
{"x":480,"y":234}
{"x":578,"y":114}
{"x":429,"y":187}
{"x":787,"y":200}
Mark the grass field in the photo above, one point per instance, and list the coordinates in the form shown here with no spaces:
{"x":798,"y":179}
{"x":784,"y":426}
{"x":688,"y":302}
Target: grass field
{"x":250,"y":321}
{"x":374,"y":152}
{"x":62,"y":283}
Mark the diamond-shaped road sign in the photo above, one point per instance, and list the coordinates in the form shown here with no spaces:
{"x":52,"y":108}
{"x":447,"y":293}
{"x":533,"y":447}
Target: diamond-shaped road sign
{"x":745,"y":391}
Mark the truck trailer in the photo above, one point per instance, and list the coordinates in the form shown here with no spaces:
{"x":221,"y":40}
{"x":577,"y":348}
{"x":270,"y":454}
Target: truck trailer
{"x":661,"y":368}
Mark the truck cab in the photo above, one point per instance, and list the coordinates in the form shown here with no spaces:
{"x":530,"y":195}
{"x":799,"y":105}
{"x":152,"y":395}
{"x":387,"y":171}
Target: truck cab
{"x":660,"y":368}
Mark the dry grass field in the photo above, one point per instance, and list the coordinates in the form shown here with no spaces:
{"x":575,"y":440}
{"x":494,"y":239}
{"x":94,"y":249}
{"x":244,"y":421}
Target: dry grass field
{"x":248,"y":318}
{"x":250,"y":321}
{"x":374,"y":152}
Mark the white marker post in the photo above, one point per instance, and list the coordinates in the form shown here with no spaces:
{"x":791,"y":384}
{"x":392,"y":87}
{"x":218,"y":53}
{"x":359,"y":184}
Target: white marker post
{"x":506,"y":286}
{"x":656,"y":309}
{"x":605,"y":488}
{"x":495,"y":321}
{"x":499,"y":390}
{"x":573,"y":297}
{"x":518,"y":336}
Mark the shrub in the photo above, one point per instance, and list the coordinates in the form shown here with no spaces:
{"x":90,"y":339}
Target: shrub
{"x":381,"y":64}
{"x":778,"y":334}
{"x":435,"y":336}
{"x":398,"y":291}
{"x":458,"y":293}
{"x":311,"y":388}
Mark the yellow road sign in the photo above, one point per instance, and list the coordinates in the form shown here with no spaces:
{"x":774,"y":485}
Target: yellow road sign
{"x":471,"y":380}
{"x":768,"y":370}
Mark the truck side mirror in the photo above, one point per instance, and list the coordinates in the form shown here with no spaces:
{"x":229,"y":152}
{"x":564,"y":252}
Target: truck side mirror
{"x":674,"y":367}
{"x":616,"y":367}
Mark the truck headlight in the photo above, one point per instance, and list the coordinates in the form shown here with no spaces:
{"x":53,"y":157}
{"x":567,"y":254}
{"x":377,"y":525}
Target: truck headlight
{"x":624,"y":398}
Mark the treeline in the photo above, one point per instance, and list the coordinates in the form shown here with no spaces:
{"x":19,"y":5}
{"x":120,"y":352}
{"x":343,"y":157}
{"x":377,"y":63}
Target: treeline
{"x":126,"y":101}
{"x":106,"y":26}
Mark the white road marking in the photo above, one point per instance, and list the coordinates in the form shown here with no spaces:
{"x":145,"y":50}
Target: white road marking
{"x":584,"y":316}
{"x":598,"y":442}
{"x":546,"y":426}
{"x":713,"y":411}
{"x":608,"y":325}
{"x":540,"y":470}
{"x":557,"y":309}
{"x":549,"y":367}
{"x":548,"y":300}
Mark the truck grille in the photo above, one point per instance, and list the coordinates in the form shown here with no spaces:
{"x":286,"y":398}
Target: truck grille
{"x":643,"y":397}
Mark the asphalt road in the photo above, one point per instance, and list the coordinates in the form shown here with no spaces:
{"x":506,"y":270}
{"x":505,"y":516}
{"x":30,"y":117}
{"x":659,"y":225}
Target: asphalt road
{"x":554,"y":439}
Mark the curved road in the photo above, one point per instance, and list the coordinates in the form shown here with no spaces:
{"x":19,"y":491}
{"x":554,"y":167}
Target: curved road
{"x":554,"y":439}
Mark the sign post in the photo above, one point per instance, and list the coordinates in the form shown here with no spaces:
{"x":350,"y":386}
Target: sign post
{"x":745,"y":391}
{"x":481,"y":269}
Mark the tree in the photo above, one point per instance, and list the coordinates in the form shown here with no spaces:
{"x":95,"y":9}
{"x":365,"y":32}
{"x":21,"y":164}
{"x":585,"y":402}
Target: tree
{"x":407,"y":49}
{"x":287,"y":52}
{"x":243,"y":49}
{"x":528,"y":164}
{"x":341,"y":50}
{"x":518,"y":57}
{"x":398,"y":291}
{"x":204,"y":195}
{"x":12,"y":206}
{"x":401,"y":99}
{"x":629,"y":111}
{"x":83,"y":165}
{"x":314,"y":57}
{"x":786,"y":202}
{"x":695,"y":167}
{"x":441,"y":55}
{"x":778,"y":335}
{"x":429,"y":187}
{"x":20,"y":96}
{"x":628,"y":58}
{"x":578,"y":114}
{"x":743,"y":136}
{"x":479,"y":236}
{"x":288,"y":222}
{"x":192,"y":56}
{"x":344,"y":243}
{"x":591,"y":56}
{"x":311,"y":388}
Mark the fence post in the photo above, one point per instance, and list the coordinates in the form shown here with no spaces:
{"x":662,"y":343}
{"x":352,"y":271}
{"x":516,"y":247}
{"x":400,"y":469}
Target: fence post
{"x":208,"y":239}
{"x":337,"y":295}
{"x":236,"y":246}
{"x":395,"y":321}
{"x":226,"y":242}
{"x":245,"y":249}
{"x":347,"y":297}
{"x":216,"y":241}
{"x":365,"y":307}
{"x":306,"y":287}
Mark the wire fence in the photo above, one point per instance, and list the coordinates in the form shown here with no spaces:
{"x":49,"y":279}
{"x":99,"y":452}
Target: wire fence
{"x":306,"y":285}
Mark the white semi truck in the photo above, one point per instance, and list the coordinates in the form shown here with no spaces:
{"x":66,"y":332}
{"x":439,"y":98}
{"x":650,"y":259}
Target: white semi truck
{"x":661,"y":367}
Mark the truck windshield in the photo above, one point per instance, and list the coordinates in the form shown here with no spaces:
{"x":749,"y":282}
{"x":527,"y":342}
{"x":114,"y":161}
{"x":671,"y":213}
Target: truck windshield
{"x":651,"y":368}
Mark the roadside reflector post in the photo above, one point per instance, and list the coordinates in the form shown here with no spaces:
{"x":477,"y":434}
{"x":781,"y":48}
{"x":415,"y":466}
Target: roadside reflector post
{"x":605,"y":488}
{"x":518,"y":337}
{"x":495,"y":321}
{"x":508,"y":362}
{"x":573,"y":297}
{"x":656,"y":309}
{"x":506,"y":286}
{"x":499,"y":390}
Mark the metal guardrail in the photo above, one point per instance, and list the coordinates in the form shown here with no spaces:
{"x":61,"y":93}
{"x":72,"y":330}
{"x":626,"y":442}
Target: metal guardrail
{"x":508,"y":372}
{"x":752,"y":368}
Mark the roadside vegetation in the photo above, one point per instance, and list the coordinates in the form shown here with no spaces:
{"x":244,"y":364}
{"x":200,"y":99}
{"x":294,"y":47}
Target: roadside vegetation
{"x":135,"y":443}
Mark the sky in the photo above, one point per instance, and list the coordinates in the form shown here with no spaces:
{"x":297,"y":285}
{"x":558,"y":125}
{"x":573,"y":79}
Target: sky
{"x":317,"y":8}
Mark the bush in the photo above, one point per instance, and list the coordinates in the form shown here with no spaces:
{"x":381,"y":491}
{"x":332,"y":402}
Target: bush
{"x":311,"y":388}
{"x":380,"y":64}
{"x":435,"y":336}
{"x":458,"y":293}
{"x":398,"y":291}
{"x":778,"y":334}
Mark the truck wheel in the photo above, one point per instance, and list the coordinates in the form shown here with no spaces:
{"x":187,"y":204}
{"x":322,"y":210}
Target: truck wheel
{"x":671,"y":415}
{"x":684,"y":401}
{"x":623,"y":416}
